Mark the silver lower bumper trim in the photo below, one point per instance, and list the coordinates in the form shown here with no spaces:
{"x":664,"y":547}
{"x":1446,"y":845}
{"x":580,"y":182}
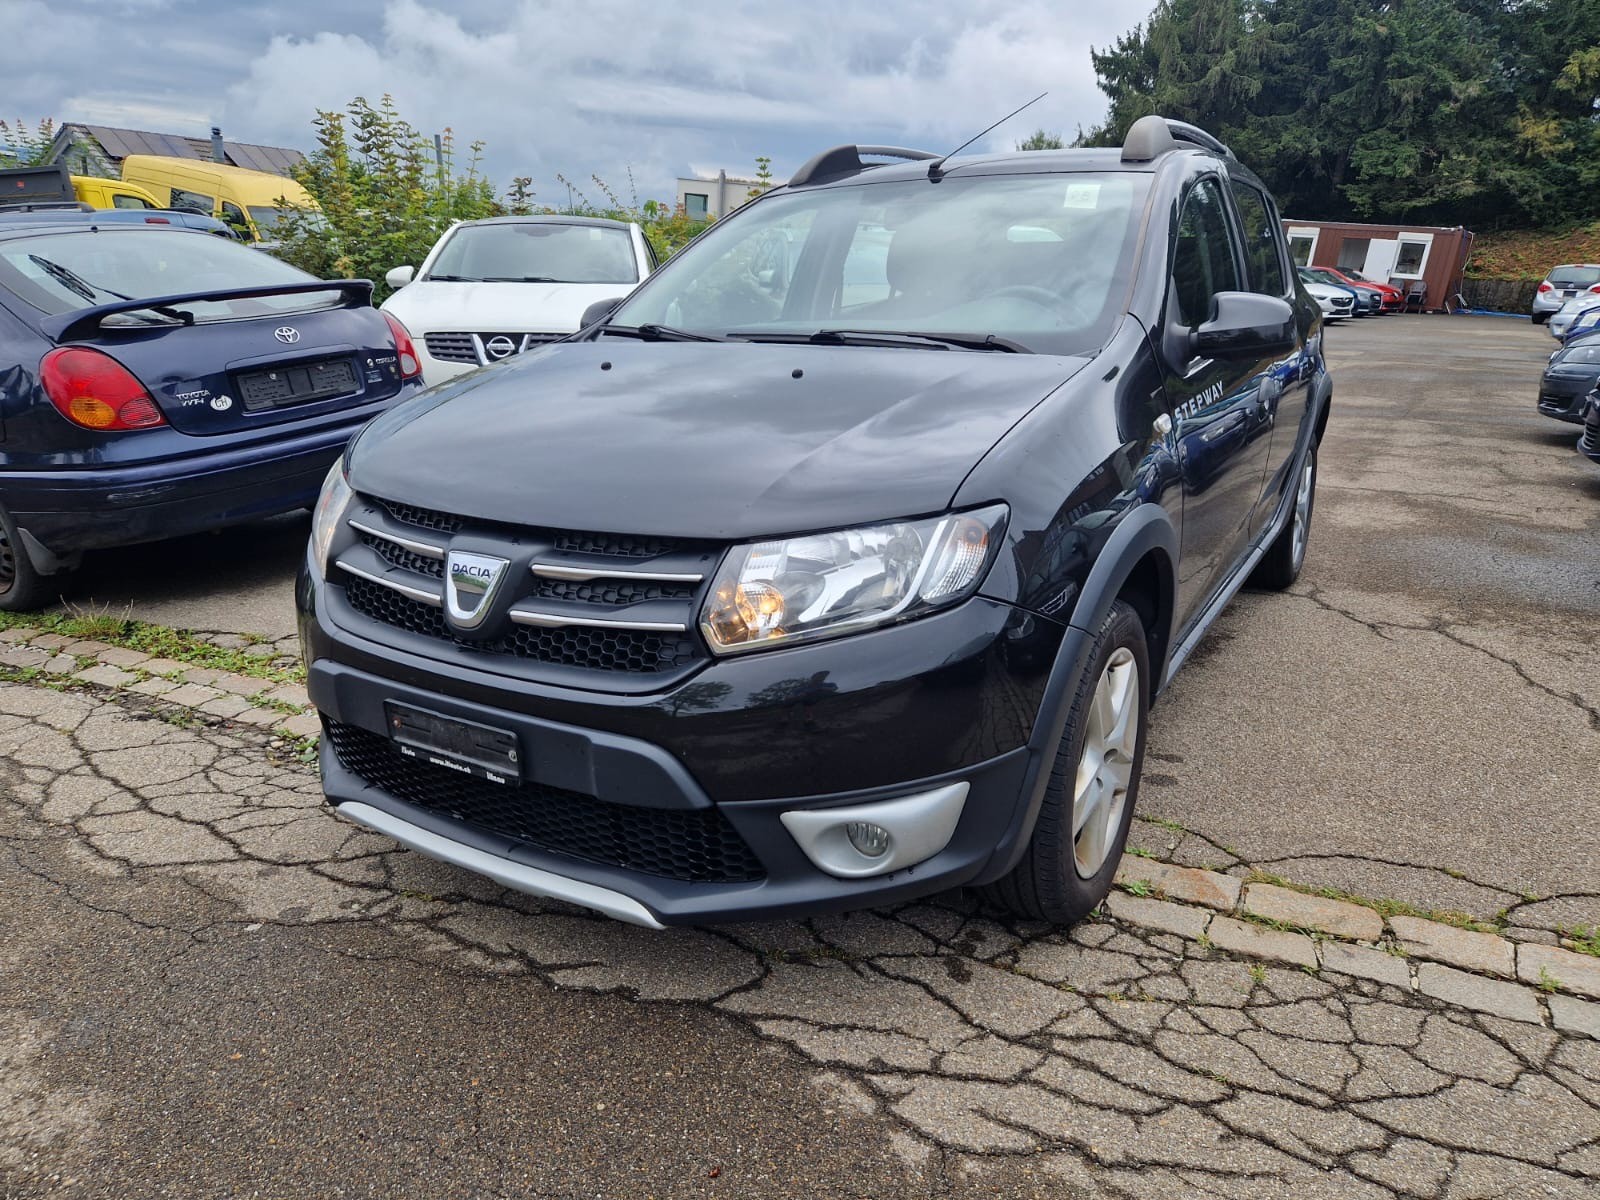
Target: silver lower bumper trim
{"x":502,"y":870}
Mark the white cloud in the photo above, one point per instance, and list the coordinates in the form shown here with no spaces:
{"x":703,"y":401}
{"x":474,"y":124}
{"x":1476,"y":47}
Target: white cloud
{"x":580,"y":88}
{"x":557,"y":87}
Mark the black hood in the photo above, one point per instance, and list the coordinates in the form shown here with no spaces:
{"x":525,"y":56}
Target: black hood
{"x":707,"y":440}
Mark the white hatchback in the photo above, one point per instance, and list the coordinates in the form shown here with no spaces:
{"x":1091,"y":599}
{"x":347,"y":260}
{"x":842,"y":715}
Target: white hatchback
{"x":490,"y":289}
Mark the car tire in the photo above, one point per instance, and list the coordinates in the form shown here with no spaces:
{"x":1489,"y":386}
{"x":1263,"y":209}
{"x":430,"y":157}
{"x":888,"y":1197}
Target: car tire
{"x":1281,"y":565}
{"x":1082,"y":827}
{"x":1540,"y":318}
{"x":22,"y":588}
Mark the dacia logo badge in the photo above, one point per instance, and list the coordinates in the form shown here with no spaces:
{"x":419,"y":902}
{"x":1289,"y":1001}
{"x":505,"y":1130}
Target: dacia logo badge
{"x":470,"y":584}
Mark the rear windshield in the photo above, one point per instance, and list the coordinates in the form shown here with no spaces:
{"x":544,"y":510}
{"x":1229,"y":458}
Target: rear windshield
{"x":537,"y":252}
{"x":62,"y":272}
{"x":1573,"y":277}
{"x":1037,"y":259}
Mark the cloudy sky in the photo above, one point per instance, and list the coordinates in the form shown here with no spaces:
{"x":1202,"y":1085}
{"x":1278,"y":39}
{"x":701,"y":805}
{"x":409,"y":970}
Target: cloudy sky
{"x":592,"y":86}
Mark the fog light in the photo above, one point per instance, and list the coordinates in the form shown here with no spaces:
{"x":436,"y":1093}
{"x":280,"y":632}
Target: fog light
{"x":871,"y":840}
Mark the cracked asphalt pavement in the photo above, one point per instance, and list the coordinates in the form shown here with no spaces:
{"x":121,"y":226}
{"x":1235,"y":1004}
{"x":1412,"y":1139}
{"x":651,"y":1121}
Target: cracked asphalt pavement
{"x":210,"y":986}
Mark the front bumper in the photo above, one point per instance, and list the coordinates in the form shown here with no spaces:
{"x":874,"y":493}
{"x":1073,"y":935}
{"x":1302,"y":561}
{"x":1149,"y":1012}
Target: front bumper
{"x":900,"y":712}
{"x":1562,"y":397}
{"x":1589,"y":442}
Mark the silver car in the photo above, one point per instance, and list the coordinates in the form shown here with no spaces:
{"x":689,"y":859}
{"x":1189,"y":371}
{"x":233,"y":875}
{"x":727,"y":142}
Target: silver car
{"x":1562,"y":284}
{"x":1576,"y":314}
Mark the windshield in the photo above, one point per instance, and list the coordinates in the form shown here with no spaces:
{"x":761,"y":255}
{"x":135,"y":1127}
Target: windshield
{"x":1574,"y":277}
{"x":537,"y":252}
{"x":1039,"y":260}
{"x":1585,"y":353}
{"x":61,"y":272}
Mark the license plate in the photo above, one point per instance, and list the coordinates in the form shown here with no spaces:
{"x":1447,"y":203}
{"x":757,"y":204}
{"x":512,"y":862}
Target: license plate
{"x":297,"y":384}
{"x":481,"y":751}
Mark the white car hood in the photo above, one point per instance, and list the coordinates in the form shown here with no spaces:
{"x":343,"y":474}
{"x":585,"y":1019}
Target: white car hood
{"x":430,"y":306}
{"x":1323,"y":291}
{"x":1580,"y":303}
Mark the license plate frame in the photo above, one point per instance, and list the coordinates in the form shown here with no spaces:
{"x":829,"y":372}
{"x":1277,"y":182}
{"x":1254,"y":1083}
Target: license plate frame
{"x":482,"y":751}
{"x":284,"y":386}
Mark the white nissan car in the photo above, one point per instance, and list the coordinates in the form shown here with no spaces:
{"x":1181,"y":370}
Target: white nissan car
{"x":490,"y":289}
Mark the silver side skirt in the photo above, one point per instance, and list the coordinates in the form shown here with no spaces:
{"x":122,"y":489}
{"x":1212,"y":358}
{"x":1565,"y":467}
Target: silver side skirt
{"x":502,"y":870}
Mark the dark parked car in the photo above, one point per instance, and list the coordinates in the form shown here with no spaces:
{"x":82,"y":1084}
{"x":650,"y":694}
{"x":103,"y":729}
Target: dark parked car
{"x":1572,"y":373}
{"x":82,"y":214}
{"x":155,"y":382}
{"x":765,"y":596}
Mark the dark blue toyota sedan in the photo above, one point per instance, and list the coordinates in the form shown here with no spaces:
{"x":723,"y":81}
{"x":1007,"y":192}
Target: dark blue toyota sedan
{"x":157,"y":382}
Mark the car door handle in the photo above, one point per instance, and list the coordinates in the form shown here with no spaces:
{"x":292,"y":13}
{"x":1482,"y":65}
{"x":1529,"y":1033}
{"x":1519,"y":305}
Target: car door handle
{"x":1162,"y":425}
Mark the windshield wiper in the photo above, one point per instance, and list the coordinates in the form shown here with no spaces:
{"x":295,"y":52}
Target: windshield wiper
{"x":75,"y":283}
{"x":454,"y":278}
{"x":522,"y":279}
{"x":865,"y":337}
{"x":651,"y":332}
{"x":890,"y":337}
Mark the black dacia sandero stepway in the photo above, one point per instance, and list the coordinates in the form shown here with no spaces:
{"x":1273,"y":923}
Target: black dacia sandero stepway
{"x":840,"y":562}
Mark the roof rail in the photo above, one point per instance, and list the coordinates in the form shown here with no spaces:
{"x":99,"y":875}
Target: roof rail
{"x":846,"y":160}
{"x":1151,"y":137}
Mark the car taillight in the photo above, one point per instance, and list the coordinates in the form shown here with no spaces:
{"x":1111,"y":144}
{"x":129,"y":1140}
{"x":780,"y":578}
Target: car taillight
{"x":1546,"y":287}
{"x":95,"y":391}
{"x":410,"y":364}
{"x":1595,"y":288}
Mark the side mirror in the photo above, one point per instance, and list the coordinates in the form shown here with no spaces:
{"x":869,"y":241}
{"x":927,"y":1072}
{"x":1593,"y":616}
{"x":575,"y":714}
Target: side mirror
{"x":599,"y":311}
{"x":398,"y":277}
{"x":1244,"y":325}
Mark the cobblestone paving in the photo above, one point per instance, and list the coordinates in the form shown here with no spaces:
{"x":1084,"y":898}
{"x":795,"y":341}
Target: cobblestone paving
{"x":1113,"y":1060}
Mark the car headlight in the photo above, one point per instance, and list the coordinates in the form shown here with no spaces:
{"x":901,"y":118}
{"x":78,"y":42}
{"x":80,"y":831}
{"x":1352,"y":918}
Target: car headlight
{"x":820,"y":584}
{"x":327,"y":515}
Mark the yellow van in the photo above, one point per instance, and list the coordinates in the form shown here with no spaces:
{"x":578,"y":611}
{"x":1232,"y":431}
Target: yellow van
{"x":246,"y":200}
{"x":111,"y":193}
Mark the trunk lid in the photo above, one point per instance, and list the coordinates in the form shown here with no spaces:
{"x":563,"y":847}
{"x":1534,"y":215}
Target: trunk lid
{"x":243,"y":373}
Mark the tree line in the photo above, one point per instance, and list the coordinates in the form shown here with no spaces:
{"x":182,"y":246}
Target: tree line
{"x":1483,"y":113}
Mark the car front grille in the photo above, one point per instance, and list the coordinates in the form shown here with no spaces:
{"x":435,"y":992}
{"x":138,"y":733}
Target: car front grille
{"x":614,"y":650}
{"x":606,"y":604}
{"x":694,"y":845}
{"x":483,"y":348}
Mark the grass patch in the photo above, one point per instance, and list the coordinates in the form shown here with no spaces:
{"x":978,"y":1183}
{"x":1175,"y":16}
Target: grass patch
{"x":161,"y":641}
{"x":1165,"y":824}
{"x":1385,"y":908}
{"x":1585,"y":939}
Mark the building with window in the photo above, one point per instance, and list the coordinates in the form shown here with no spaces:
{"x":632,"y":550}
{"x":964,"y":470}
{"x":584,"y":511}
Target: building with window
{"x":1425,"y":263}
{"x":716,"y":197}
